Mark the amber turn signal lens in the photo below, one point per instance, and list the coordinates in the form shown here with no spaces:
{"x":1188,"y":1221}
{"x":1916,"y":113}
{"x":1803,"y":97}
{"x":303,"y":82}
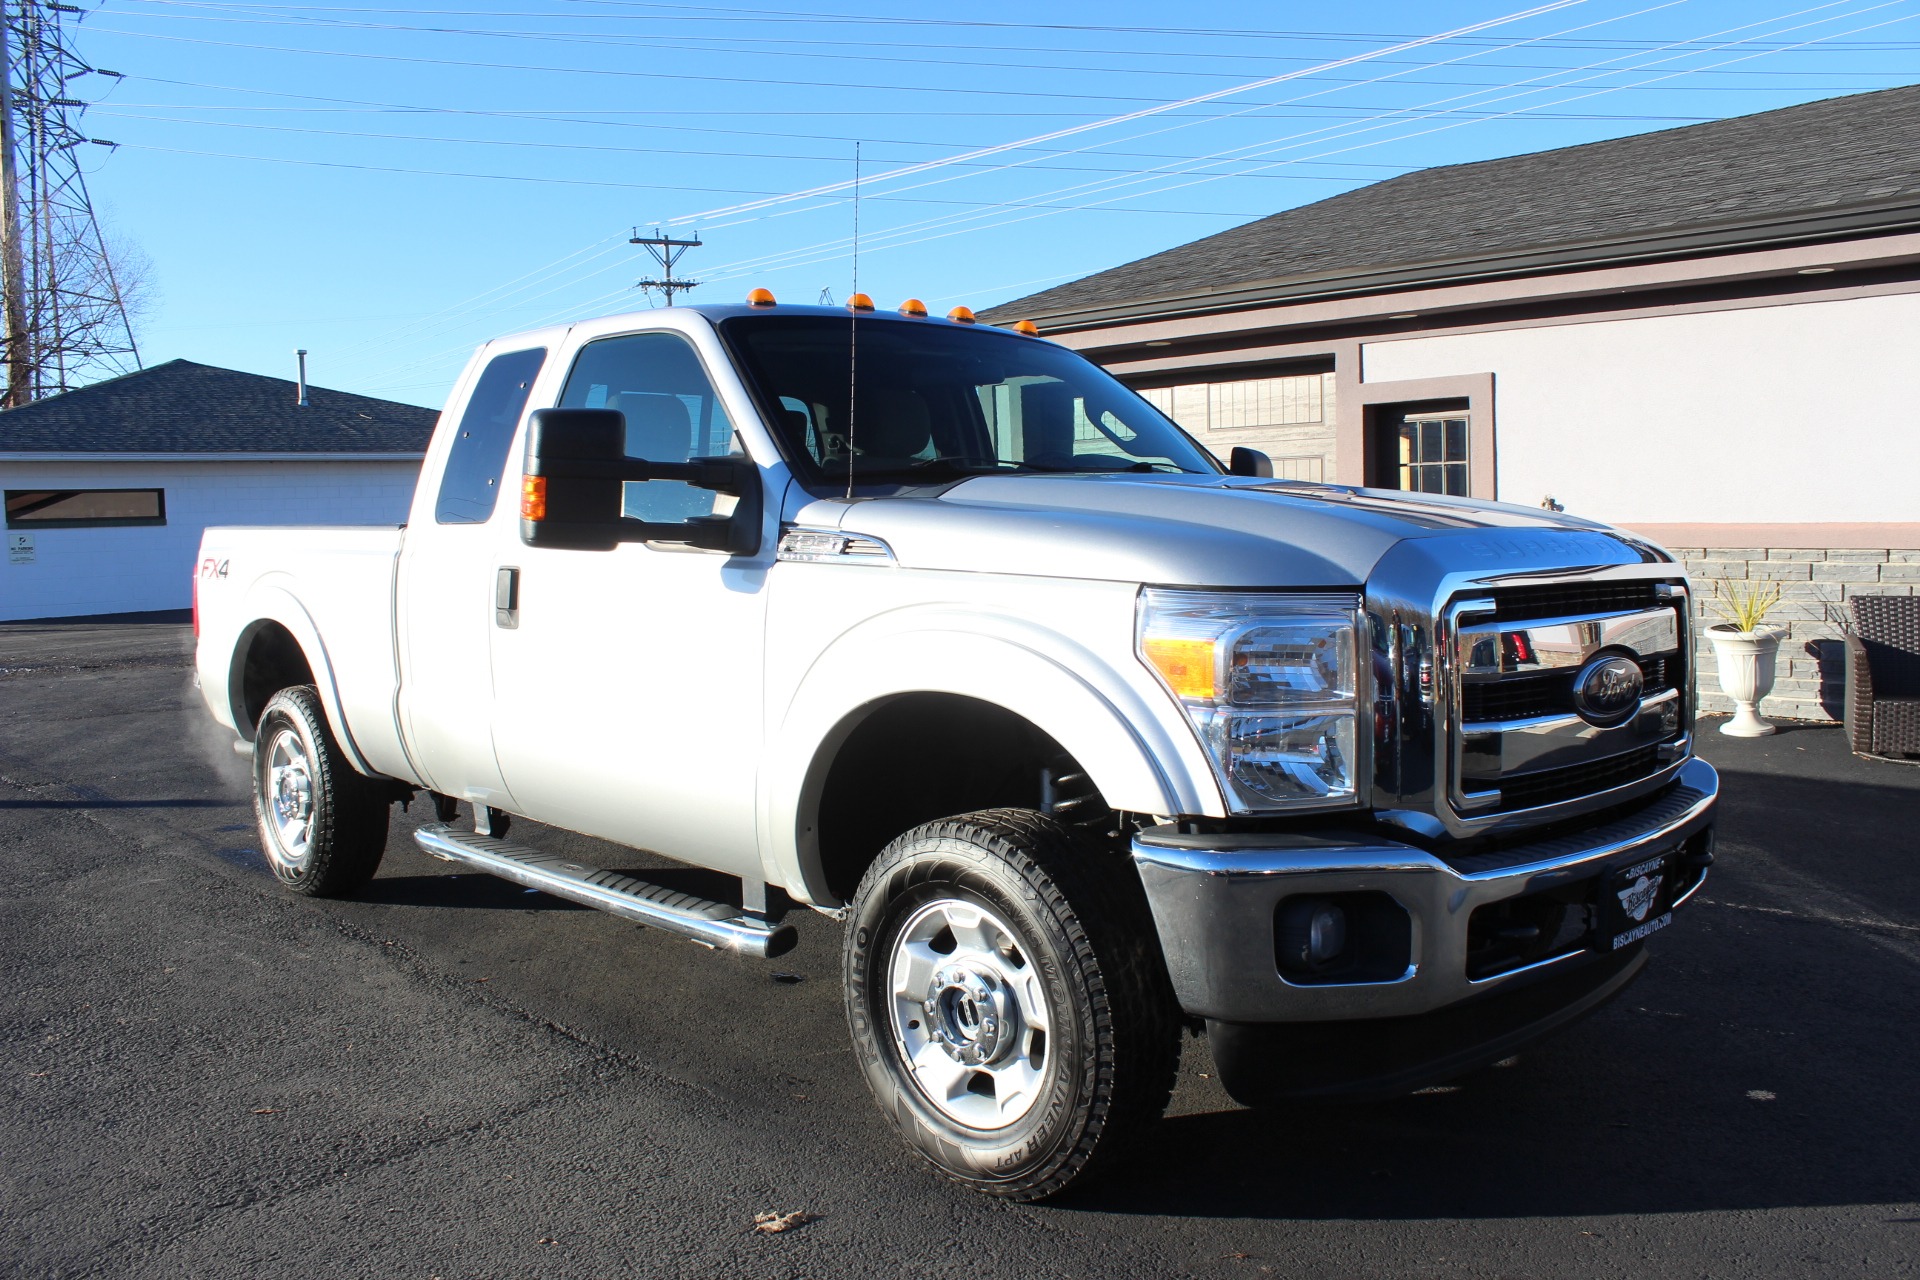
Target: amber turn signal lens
{"x":760,"y":298}
{"x":961,"y":315}
{"x":1186,"y":666}
{"x":533,"y":498}
{"x":913,"y":307}
{"x":1027,"y":327}
{"x":859,"y":302}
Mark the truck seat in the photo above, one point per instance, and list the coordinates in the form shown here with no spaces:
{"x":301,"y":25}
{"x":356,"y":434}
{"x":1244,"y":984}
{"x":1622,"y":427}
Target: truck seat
{"x":659,"y":428}
{"x":893,"y":426}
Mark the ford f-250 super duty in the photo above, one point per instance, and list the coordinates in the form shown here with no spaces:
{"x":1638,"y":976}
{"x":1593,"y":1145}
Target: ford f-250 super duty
{"x":940,"y":630}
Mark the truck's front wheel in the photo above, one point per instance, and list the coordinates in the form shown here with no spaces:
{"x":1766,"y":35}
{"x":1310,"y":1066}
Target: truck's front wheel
{"x":323,"y":826}
{"x":1007,"y":1000}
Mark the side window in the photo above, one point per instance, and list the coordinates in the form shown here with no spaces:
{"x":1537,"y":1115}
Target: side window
{"x":471,"y":481}
{"x":672,"y":414}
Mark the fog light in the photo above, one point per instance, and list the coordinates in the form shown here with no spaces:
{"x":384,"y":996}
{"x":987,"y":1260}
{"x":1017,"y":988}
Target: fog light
{"x":1313,"y":932}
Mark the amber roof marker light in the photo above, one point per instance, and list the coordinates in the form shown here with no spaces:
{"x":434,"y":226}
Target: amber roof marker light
{"x":859,"y":302}
{"x":961,"y":315}
{"x":760,"y":298}
{"x":1027,"y":327}
{"x":914,"y":307}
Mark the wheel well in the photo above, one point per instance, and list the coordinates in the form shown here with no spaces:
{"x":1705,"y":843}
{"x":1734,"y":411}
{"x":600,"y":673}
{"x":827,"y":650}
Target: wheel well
{"x":923,"y":756}
{"x":273,"y":661}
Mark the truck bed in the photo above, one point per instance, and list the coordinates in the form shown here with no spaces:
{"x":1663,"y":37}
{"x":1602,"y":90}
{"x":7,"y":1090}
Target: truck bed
{"x":331,"y":587}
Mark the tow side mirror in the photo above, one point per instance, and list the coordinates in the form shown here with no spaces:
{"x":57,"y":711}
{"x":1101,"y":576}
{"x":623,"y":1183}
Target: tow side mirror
{"x":1249,"y":462}
{"x":571,"y":492}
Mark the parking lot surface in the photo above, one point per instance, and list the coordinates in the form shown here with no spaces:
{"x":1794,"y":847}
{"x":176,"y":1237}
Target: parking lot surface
{"x":204,"y":1075}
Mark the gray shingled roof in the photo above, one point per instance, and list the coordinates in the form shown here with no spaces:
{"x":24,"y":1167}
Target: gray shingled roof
{"x":183,"y":407}
{"x":1819,"y":157}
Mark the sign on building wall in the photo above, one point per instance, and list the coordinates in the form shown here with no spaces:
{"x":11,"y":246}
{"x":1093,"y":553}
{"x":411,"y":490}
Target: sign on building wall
{"x":20,"y":548}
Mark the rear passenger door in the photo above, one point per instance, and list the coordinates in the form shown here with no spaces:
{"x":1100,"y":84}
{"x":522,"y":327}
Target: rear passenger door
{"x":446,"y":588}
{"x":628,"y":692}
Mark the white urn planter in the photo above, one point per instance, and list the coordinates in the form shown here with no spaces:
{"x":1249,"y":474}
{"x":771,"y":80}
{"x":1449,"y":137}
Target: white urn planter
{"x":1745,"y":660}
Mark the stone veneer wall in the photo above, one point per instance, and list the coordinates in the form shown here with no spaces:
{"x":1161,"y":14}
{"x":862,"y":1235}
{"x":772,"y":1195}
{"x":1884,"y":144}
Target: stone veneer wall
{"x":1815,"y":585}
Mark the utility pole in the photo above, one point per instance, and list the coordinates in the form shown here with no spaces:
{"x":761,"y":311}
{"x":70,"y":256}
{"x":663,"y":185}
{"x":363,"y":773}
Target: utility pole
{"x":667,"y":252}
{"x":19,"y":336}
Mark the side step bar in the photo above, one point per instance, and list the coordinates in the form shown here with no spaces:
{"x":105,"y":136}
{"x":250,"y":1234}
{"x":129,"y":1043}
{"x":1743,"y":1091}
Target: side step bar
{"x":713,"y":924}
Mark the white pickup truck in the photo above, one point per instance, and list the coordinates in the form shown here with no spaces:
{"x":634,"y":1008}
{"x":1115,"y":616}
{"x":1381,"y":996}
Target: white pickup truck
{"x":938,"y":629}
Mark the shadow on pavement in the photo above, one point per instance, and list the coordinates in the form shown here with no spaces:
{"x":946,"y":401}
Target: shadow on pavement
{"x":1765,"y":1060}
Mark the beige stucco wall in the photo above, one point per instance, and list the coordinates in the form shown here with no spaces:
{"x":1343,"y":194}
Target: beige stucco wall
{"x":1795,"y":412}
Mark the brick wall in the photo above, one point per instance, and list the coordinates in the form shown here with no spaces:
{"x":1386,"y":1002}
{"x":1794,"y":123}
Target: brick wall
{"x":1815,"y":585}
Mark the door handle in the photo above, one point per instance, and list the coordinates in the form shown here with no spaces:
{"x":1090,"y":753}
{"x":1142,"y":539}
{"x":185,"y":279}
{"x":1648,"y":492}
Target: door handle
{"x":506,"y":597}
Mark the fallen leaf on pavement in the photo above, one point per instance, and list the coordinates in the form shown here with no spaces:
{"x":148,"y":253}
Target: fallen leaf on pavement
{"x":266,"y":1111}
{"x":774,"y":1223}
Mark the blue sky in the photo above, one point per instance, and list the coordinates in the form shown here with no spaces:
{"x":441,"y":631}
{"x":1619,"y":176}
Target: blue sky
{"x":388,"y":186}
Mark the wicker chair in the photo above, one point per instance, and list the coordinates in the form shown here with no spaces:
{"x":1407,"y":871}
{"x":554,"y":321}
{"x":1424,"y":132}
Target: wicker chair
{"x":1883,"y":676}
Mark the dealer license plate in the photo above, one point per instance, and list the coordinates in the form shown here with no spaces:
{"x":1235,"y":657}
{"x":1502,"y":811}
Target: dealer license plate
{"x":1634,"y":901}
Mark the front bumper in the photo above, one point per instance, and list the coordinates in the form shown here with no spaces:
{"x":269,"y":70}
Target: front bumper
{"x":1215,"y":899}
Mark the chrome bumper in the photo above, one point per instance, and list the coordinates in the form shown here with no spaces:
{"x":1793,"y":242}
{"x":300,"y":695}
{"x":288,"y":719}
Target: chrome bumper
{"x":1214,"y":899}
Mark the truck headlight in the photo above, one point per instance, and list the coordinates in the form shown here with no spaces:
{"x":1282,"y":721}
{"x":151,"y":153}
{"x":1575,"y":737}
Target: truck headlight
{"x":1270,"y":683}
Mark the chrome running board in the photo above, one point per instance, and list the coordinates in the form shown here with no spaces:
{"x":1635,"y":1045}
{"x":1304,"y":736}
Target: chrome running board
{"x":713,"y":924}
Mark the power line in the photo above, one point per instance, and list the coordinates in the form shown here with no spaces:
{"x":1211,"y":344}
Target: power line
{"x":803,"y":258}
{"x":1143,"y":113}
{"x":817,"y":50}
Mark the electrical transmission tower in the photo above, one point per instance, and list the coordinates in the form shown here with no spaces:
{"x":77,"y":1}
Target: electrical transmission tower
{"x":666,"y":251}
{"x":64,"y":298}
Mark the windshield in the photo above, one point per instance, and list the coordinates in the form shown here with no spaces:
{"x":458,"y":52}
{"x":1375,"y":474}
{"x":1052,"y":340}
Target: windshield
{"x":937,"y":400}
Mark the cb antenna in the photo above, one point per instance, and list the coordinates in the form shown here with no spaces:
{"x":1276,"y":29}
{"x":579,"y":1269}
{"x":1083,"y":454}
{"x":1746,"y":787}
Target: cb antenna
{"x":853,"y":326}
{"x":667,"y":252}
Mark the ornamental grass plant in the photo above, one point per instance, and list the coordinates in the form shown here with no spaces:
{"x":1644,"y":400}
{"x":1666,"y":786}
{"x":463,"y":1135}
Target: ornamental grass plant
{"x":1745,"y":605}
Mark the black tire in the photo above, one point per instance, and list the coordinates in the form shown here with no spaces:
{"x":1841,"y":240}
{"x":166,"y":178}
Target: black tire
{"x":336,"y":847}
{"x":1074,"y":912}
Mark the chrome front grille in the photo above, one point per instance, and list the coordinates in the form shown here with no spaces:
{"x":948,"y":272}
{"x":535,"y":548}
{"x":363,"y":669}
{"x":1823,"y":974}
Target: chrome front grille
{"x":1476,"y":736}
{"x":1524,"y":737}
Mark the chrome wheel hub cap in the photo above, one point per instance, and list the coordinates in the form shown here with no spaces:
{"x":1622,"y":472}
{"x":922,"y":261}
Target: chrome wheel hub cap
{"x":970,"y":1016}
{"x":289,"y":797}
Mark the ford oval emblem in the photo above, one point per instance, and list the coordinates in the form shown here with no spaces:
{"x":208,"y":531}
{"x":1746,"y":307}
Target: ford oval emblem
{"x":1607,"y":690}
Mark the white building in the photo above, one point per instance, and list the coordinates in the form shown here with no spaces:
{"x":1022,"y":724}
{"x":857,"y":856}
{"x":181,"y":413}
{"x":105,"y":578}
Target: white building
{"x":108,"y":487}
{"x":1709,"y":334}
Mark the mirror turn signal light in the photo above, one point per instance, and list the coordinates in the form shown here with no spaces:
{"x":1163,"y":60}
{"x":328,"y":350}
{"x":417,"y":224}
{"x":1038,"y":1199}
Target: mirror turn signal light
{"x":961,"y":315}
{"x":1186,"y":665}
{"x":760,"y":298}
{"x":914,"y":307}
{"x":859,"y":302}
{"x":533,"y":498}
{"x":1027,"y":327}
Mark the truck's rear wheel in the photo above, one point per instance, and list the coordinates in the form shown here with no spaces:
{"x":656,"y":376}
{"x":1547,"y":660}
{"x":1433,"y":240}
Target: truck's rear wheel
{"x":1008,"y":1002}
{"x":322,"y":824}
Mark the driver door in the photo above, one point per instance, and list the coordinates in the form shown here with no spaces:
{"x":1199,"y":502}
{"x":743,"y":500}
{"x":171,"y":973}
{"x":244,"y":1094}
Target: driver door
{"x":628,"y":689}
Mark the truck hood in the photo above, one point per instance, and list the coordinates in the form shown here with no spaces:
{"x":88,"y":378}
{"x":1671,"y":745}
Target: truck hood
{"x":1209,"y":531}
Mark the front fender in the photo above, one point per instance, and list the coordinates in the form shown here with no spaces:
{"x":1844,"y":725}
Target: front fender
{"x":1123,"y":731}
{"x":268,"y":602}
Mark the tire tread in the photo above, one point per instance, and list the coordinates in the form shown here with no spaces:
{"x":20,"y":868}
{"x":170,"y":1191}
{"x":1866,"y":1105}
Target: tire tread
{"x":1090,"y":890}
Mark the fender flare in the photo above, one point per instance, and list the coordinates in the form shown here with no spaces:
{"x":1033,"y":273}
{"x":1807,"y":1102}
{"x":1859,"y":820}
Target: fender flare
{"x":1141,"y":756}
{"x":267,"y":602}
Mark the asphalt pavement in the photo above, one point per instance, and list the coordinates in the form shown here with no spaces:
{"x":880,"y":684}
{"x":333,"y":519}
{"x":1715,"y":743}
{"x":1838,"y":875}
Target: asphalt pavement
{"x":206,"y":1076}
